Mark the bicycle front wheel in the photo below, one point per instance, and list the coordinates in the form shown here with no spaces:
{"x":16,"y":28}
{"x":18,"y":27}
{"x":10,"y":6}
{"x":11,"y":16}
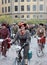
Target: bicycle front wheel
{"x":17,"y":62}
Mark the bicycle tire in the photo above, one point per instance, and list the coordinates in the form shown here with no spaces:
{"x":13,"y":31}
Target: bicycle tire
{"x":39,"y":54}
{"x":16,"y":62}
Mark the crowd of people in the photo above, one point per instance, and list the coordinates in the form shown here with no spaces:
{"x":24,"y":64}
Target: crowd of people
{"x":21,"y":33}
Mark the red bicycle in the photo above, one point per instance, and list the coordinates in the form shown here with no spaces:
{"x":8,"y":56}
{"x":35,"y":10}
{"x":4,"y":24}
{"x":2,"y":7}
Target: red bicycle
{"x":41,"y":44}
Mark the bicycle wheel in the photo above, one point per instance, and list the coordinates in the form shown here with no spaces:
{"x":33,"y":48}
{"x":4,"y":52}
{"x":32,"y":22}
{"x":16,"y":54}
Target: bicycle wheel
{"x":16,"y":62}
{"x":39,"y":52}
{"x":19,"y":62}
{"x":22,"y":62}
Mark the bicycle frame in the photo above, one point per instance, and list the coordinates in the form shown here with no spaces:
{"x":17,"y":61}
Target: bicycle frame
{"x":18,"y":60}
{"x":40,"y":48}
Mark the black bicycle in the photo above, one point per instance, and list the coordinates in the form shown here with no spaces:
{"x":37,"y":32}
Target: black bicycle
{"x":19,"y":60}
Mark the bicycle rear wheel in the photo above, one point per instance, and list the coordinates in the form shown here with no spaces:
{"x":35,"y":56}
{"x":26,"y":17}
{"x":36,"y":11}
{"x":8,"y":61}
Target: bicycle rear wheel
{"x":39,"y":52}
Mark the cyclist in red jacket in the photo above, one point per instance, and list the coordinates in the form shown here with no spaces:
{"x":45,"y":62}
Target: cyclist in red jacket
{"x":41,"y":36}
{"x":4,"y":32}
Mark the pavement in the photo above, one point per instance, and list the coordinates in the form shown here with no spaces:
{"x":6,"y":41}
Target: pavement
{"x":35,"y":60}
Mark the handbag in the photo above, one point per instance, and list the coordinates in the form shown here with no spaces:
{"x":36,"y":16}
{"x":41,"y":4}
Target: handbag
{"x":29,"y":54}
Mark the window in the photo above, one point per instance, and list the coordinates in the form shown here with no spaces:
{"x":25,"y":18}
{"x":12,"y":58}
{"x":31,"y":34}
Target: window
{"x":5,"y":1}
{"x":2,"y":9}
{"x":28,"y":0}
{"x":8,"y":8}
{"x":16,"y":8}
{"x":8,"y":1}
{"x":41,"y":7}
{"x":41,"y":16}
{"x":5,"y":9}
{"x":16,"y":16}
{"x":41,"y":0}
{"x":22,"y":0}
{"x":22,"y":16}
{"x":28,"y":7}
{"x":34,"y":0}
{"x":28,"y":16}
{"x":16,"y":0}
{"x":34,"y":16}
{"x":34,"y":7}
{"x":2,"y":1}
{"x":22,"y":8}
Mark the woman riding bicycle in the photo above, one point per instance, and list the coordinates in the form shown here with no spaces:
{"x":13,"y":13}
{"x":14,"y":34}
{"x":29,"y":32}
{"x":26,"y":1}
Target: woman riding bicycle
{"x":4,"y":34}
{"x":41,"y":36}
{"x":24,"y":36}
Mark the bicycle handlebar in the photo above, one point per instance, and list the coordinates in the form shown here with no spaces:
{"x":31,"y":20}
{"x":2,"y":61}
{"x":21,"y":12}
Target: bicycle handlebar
{"x":25,"y":44}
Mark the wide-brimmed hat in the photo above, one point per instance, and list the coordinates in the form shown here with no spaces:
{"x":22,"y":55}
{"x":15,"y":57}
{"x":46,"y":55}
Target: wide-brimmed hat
{"x":21,"y":23}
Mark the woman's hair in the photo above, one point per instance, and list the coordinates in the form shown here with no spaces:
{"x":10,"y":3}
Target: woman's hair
{"x":22,"y":23}
{"x":41,"y":24}
{"x":4,"y":24}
